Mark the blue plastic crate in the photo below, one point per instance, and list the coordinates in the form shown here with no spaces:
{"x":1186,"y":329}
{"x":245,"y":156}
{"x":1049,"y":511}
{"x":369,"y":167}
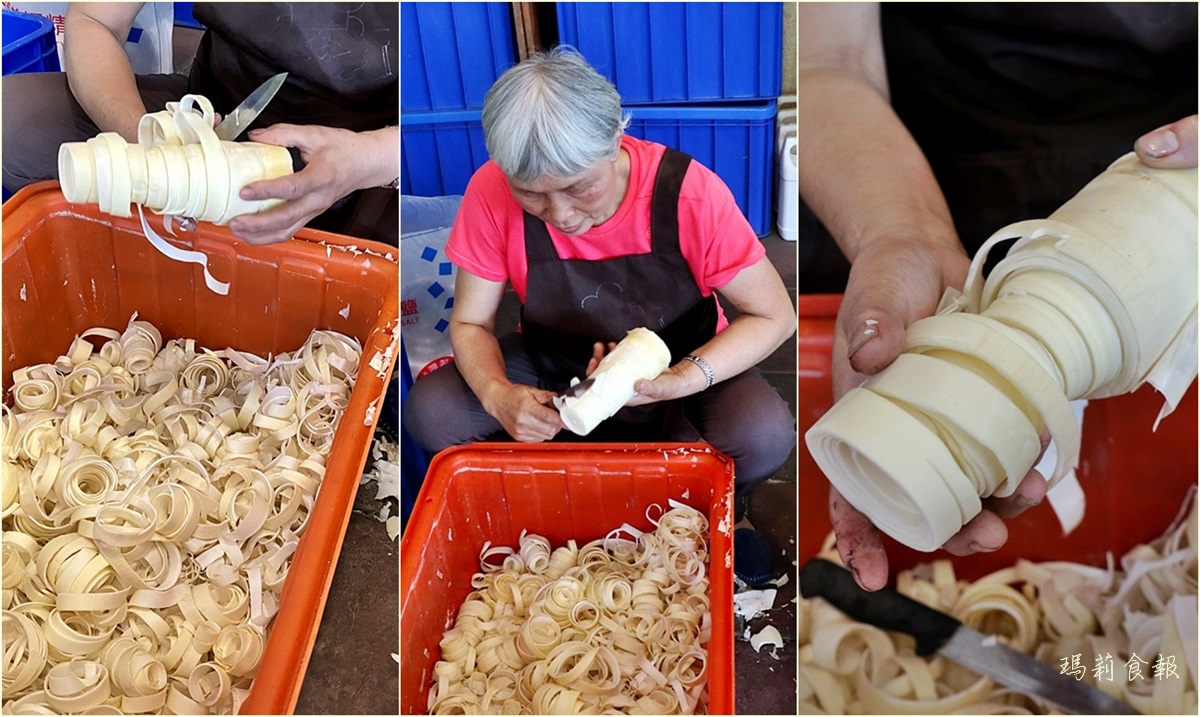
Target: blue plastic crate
{"x":735,"y":141}
{"x":439,"y":151}
{"x":677,"y":52}
{"x":184,"y":16}
{"x":29,"y":44}
{"x":452,"y":52}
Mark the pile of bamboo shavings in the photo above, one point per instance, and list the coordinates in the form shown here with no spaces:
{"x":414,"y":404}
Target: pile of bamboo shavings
{"x":1147,"y":607}
{"x":614,"y":626}
{"x":152,"y":498}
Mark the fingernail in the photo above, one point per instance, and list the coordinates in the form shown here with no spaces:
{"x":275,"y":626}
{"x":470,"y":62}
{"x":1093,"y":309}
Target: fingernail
{"x":977,"y":548}
{"x":1159,"y":143}
{"x":1027,"y":502}
{"x":867,"y":331}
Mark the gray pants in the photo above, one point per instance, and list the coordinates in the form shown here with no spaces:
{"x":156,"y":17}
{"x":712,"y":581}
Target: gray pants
{"x":40,"y":113}
{"x":743,"y":417}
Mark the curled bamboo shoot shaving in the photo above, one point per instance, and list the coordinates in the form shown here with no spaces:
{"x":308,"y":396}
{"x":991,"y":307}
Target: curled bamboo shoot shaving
{"x":1092,"y":302}
{"x":615,"y":625}
{"x":640,"y":355}
{"x":178,"y":168}
{"x":153,"y":495}
{"x":1053,"y":611}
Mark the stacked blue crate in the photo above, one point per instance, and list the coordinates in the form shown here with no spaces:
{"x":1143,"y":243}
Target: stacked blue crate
{"x":28,"y":46}
{"x":701,"y":77}
{"x":716,"y":105}
{"x":680,"y":52}
{"x":451,"y":53}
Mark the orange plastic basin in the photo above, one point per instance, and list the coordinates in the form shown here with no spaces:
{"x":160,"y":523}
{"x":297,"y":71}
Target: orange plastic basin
{"x":493,"y":491}
{"x":67,"y":268}
{"x":1134,"y":480}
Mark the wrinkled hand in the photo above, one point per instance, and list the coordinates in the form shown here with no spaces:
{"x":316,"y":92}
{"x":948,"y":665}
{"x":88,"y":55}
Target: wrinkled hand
{"x":672,"y":383}
{"x":525,"y":413}
{"x":892,"y":284}
{"x":338,"y":162}
{"x":1171,"y":146}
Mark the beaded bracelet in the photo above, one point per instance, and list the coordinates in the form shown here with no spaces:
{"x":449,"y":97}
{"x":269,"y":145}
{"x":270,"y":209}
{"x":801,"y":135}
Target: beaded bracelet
{"x":709,"y":378}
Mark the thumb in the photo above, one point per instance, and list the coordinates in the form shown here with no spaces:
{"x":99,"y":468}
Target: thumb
{"x":1171,"y":146}
{"x":874,"y":337}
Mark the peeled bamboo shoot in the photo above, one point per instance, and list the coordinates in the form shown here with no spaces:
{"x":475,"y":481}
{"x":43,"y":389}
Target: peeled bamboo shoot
{"x":640,"y":355}
{"x":1093,"y":301}
{"x":178,"y":167}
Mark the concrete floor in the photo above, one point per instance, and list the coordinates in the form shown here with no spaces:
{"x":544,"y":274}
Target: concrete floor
{"x":766,"y":682}
{"x":351,"y":670}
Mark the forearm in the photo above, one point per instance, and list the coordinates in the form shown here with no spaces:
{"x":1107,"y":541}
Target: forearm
{"x":860,"y":170}
{"x":478,"y":358}
{"x":99,"y":73}
{"x":744,"y":344}
{"x":383,"y":161}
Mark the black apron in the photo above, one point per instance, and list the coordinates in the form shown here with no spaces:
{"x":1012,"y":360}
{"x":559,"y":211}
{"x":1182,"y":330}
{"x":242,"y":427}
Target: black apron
{"x":571,"y":304}
{"x":342,"y":61}
{"x":1018,"y":105}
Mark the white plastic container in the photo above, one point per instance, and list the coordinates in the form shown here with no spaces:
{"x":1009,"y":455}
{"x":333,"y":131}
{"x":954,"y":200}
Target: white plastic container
{"x":787,"y":193}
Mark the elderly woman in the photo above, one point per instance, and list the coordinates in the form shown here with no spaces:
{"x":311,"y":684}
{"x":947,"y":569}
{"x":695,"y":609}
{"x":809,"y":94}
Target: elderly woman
{"x":600,"y":233}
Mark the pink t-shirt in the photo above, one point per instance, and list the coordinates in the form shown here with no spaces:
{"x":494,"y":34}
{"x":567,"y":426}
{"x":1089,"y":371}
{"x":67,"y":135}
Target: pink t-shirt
{"x":488,"y":237}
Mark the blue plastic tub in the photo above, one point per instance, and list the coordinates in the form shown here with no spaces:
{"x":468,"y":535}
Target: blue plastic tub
{"x":184,"y":16}
{"x":29,"y":44}
{"x":735,"y":141}
{"x":452,"y":52}
{"x":680,"y":51}
{"x":439,"y":151}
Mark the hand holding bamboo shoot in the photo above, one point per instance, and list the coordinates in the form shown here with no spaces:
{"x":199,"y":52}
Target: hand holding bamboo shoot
{"x":1092,"y":302}
{"x":178,"y":168}
{"x":640,"y":355}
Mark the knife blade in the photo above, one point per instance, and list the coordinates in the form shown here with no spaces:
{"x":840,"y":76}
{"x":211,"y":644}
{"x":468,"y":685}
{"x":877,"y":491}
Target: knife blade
{"x":938,"y":632}
{"x":249,"y":109}
{"x":578,"y":389}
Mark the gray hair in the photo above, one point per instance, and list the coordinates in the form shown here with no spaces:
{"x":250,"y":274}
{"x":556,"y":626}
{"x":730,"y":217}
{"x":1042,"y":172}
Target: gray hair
{"x":552,"y":115}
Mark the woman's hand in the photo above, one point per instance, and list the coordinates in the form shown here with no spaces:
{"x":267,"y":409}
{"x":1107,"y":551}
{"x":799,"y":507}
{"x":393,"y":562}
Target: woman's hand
{"x":524,"y":412}
{"x":676,"y":382}
{"x":1171,"y":146}
{"x":337,"y":161}
{"x":892,"y":284}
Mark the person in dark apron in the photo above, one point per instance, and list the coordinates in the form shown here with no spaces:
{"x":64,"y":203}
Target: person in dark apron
{"x":924,"y":128}
{"x":338,"y":107}
{"x":600,"y":233}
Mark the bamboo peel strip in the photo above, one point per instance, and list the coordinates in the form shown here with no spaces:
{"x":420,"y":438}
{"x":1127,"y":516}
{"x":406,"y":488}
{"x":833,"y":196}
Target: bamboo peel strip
{"x":1083,"y":306}
{"x":148,"y":535}
{"x":1049,"y":610}
{"x":612,"y":625}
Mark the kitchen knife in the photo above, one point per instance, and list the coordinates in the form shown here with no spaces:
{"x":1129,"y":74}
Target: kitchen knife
{"x":248,"y":110}
{"x":578,"y":389}
{"x":938,"y":632}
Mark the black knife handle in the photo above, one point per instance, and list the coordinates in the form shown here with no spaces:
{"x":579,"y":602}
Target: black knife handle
{"x":884,"y":608}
